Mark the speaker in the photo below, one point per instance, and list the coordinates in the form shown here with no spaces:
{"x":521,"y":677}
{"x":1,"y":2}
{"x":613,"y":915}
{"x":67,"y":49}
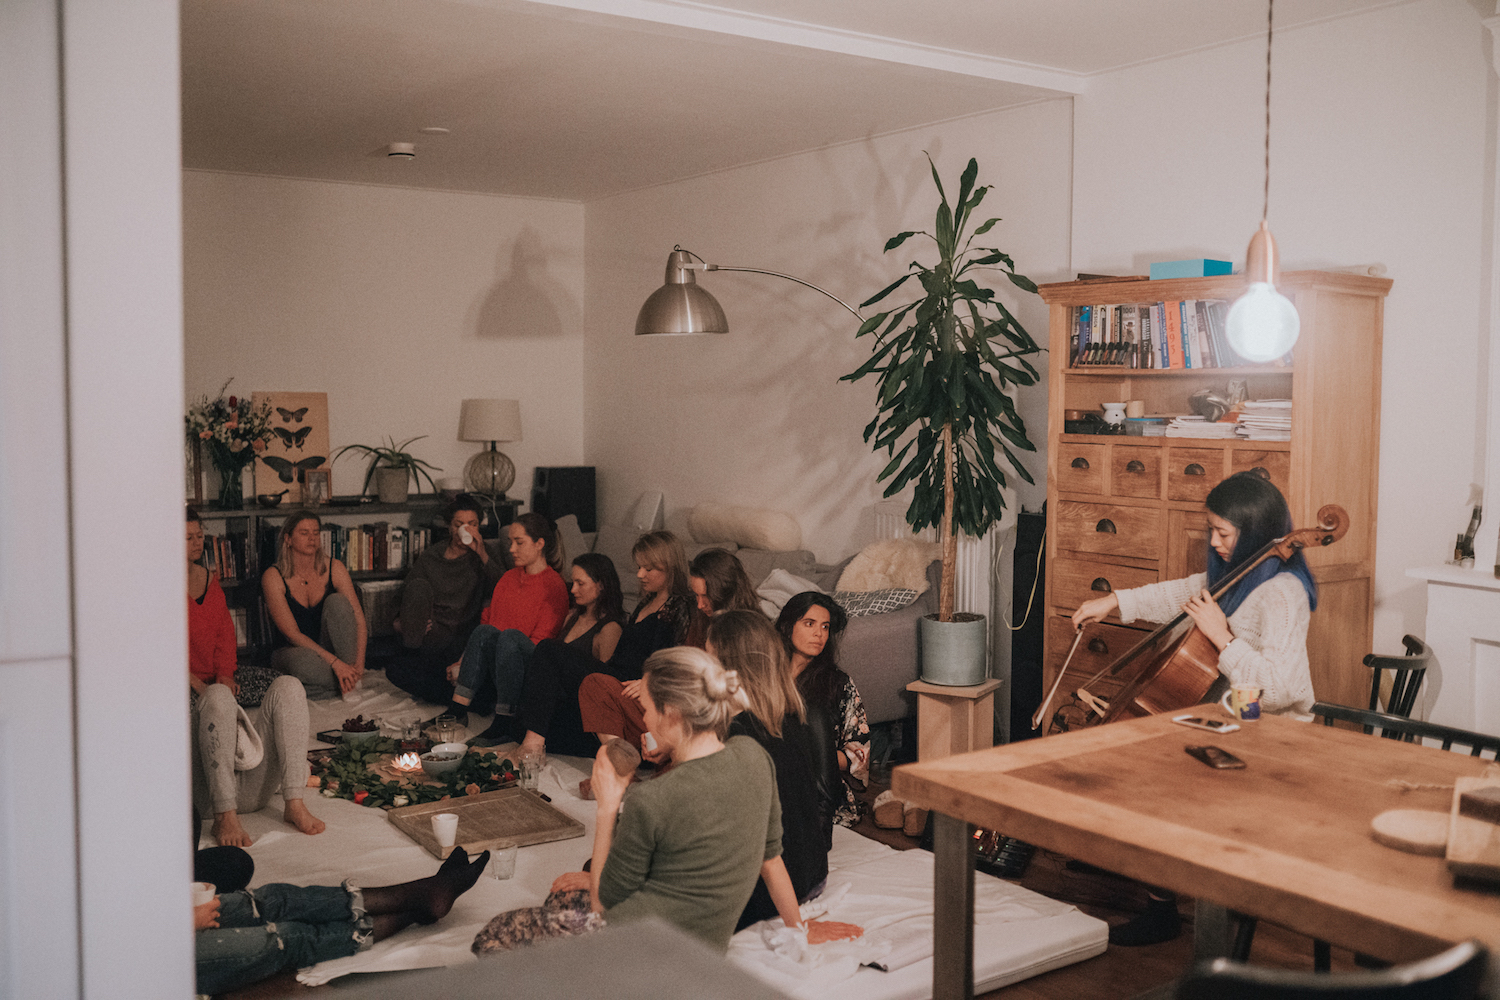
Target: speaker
{"x":560,"y":490}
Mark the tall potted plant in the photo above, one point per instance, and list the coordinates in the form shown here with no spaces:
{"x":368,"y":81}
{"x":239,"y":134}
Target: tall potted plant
{"x":943,"y":361}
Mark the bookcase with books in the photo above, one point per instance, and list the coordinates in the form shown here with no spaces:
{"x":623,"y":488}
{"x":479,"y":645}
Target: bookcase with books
{"x":1123,"y":511}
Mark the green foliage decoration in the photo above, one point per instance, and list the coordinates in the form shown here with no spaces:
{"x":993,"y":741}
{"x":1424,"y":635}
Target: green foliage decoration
{"x":346,"y":772}
{"x":392,"y":456}
{"x":943,"y":360}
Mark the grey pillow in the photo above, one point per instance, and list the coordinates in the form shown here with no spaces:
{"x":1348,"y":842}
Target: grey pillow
{"x":859,"y":603}
{"x":573,"y":542}
{"x":758,"y":563}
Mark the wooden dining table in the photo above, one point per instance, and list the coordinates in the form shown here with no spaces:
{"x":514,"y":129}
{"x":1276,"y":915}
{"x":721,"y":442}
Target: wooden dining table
{"x":1286,"y":839}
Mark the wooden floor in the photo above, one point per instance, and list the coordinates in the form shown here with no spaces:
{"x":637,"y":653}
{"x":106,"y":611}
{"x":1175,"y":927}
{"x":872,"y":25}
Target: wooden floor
{"x":1118,"y":973}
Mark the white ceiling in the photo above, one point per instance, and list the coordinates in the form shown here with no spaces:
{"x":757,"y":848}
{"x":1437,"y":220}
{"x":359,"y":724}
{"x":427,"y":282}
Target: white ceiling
{"x":579,"y":99}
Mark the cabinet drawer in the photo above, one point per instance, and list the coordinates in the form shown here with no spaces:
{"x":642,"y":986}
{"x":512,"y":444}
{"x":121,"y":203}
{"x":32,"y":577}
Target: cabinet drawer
{"x":1109,"y":529}
{"x":1192,"y":472}
{"x":1275,"y":465}
{"x":1135,"y":472}
{"x":1102,"y":645}
{"x":1077,"y":580}
{"x":1080,"y":468}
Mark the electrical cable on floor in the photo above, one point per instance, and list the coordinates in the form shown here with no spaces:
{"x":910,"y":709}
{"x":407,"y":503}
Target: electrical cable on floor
{"x":1031,"y":600}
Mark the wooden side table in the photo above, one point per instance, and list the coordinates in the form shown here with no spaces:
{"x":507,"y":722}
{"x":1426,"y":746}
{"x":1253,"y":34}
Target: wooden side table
{"x":952,"y":720}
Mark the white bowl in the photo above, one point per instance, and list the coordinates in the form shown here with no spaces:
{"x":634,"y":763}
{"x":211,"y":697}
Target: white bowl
{"x":451,"y":748}
{"x":440,"y":764}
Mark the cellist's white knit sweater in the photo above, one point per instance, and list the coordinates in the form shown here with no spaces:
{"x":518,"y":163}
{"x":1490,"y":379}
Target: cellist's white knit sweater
{"x":1269,"y":649}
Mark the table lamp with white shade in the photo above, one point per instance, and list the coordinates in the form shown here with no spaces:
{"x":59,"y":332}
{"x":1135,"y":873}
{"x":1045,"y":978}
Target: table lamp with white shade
{"x":490,"y":472}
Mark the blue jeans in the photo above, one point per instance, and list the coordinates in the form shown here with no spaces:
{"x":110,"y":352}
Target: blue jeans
{"x":278,"y":926}
{"x":500,"y":656}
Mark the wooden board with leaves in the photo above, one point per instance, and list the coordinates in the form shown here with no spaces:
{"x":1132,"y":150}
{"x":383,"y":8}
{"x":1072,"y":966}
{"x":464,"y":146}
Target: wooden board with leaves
{"x":362,"y":775}
{"x":489,"y":820}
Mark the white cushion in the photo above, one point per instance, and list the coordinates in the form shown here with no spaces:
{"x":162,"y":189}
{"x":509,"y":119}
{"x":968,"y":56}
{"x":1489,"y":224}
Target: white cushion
{"x":747,"y":527}
{"x":890,"y":563}
{"x":573,"y":542}
{"x":780,"y":587}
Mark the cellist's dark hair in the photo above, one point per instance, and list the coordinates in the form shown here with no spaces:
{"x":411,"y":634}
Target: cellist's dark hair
{"x":1251,"y":503}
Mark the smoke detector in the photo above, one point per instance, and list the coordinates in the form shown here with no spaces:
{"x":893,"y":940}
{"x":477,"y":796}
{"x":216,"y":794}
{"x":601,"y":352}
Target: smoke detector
{"x":401,"y":151}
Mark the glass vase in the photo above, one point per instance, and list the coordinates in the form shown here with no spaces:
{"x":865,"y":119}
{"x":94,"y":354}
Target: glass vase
{"x":231,"y":486}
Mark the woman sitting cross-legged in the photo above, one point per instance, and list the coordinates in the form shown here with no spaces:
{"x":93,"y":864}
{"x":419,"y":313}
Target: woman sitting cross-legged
{"x":528,"y":605}
{"x":810,"y":624}
{"x":441,"y":600}
{"x":611,"y":707}
{"x":243,"y":937}
{"x":746,"y":643}
{"x":592,"y":627}
{"x":688,"y":845}
{"x":320,"y":625}
{"x":549,"y":714}
{"x":234,"y":772}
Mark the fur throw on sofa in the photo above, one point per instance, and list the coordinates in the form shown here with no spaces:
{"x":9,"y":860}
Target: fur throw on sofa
{"x":890,"y":563}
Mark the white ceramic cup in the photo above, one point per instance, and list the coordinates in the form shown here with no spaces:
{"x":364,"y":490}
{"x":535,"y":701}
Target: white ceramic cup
{"x":445,"y":828}
{"x":203,"y":893}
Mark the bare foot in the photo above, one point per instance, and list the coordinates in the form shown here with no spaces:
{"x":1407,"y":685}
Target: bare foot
{"x":296,"y":814}
{"x":227,"y":831}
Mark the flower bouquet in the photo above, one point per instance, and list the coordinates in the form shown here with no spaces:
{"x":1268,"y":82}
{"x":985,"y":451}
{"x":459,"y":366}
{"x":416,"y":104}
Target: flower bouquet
{"x":232,"y":430}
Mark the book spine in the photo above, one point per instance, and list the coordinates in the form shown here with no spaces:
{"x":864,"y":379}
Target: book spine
{"x":1148,"y":356}
{"x":1173,"y":311}
{"x":1211,"y":345}
{"x":1185,"y":334}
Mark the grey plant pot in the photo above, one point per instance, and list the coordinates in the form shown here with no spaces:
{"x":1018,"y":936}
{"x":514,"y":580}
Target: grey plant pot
{"x":953,"y":653}
{"x":390,"y":484}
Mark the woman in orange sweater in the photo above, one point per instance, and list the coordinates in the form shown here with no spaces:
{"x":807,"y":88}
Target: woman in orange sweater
{"x":529,"y":605}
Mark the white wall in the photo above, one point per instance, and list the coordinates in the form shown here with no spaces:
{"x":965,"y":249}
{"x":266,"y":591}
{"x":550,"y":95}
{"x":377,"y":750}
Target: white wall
{"x":396,"y":302}
{"x":758,"y":417}
{"x":1377,"y":154}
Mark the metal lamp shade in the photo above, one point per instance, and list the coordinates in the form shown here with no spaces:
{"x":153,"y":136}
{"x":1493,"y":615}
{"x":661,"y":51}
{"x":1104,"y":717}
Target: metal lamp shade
{"x":681,"y":306}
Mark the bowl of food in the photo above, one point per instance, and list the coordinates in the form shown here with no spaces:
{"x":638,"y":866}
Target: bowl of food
{"x":458,"y":748}
{"x":360,"y":732}
{"x":440,"y":765}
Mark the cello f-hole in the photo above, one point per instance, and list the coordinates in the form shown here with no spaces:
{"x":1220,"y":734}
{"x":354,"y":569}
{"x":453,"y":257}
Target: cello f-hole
{"x":1105,"y":526}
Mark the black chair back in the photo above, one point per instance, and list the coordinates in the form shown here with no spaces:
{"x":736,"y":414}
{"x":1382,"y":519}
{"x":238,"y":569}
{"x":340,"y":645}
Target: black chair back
{"x":1407,"y":673}
{"x":1395,"y":727}
{"x":1456,"y":974}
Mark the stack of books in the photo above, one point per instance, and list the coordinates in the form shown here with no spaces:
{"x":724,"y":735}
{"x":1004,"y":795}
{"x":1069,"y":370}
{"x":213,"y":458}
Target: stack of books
{"x":1265,"y":420}
{"x":1199,"y":427}
{"x":1181,"y":334}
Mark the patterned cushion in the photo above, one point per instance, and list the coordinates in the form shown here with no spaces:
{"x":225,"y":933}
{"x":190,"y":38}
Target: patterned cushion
{"x":859,"y":603}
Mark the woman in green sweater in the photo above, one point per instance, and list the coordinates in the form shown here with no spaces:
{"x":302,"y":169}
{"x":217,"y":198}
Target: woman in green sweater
{"x":689,"y":845}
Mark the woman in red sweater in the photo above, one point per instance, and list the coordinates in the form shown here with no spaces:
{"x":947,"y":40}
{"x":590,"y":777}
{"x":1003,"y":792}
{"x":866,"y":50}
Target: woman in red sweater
{"x":211,"y":642}
{"x":529,"y":605}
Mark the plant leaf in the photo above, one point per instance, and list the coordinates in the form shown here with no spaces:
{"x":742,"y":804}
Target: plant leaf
{"x":898,"y":239}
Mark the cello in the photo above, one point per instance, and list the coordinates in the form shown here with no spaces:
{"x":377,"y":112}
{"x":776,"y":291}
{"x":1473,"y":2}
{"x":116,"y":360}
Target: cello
{"x":1183,"y":663}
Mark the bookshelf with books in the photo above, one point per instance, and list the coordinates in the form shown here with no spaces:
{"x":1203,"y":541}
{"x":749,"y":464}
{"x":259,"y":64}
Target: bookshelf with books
{"x":1124,"y":510}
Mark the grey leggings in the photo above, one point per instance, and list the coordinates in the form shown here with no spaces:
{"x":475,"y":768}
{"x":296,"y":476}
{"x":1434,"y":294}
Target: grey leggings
{"x":340,"y":634}
{"x":283,"y":726}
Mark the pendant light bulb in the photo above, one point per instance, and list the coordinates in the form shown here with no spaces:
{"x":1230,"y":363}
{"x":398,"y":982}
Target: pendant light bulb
{"x":1262,"y":324}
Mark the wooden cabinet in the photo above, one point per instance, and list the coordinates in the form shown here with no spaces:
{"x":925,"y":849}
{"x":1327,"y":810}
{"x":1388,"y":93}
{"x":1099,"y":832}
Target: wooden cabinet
{"x":1124,"y":511}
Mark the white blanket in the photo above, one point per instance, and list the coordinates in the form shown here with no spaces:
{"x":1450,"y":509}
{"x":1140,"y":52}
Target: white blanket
{"x":1017,"y":933}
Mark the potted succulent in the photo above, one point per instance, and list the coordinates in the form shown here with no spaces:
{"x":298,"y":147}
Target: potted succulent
{"x":393,"y":468}
{"x":943,"y":361}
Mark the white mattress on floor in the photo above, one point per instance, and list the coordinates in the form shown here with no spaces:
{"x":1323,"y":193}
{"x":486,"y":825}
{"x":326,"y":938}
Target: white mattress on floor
{"x":1017,"y":933}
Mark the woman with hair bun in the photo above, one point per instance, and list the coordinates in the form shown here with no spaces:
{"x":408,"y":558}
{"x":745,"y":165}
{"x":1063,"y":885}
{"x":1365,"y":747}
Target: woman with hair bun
{"x":687,"y":846}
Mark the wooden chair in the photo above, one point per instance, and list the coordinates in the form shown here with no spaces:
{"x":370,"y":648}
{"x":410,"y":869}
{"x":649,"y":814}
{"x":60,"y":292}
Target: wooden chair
{"x":1456,"y":974}
{"x":1395,"y":727}
{"x":1406,"y":678}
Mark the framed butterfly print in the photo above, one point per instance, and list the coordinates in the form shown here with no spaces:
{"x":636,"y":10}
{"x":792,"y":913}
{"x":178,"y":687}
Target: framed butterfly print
{"x":298,"y":445}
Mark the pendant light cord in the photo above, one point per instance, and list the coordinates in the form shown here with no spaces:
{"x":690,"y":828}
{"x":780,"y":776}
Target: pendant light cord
{"x":1265,"y":204}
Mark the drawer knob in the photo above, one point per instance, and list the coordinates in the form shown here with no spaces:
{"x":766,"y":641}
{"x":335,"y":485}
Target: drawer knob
{"x":1193,"y":470}
{"x":1080,"y":462}
{"x":1135,"y":465}
{"x":1098,"y":646}
{"x":1260,"y":470}
{"x":1102,"y":585}
{"x":1105,"y":526}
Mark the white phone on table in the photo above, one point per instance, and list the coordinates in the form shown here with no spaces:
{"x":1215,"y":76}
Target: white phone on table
{"x":1211,"y":725}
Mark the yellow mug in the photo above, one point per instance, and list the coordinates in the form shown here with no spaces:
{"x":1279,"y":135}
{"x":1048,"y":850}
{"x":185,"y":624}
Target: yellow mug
{"x":1243,"y":702}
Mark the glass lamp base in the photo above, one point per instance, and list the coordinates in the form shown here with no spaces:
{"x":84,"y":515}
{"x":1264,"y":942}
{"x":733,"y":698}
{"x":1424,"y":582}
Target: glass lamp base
{"x":489,"y":472}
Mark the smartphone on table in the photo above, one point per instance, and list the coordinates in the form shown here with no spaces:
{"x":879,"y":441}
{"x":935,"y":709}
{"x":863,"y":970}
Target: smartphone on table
{"x":1212,"y":725}
{"x":1216,"y":758}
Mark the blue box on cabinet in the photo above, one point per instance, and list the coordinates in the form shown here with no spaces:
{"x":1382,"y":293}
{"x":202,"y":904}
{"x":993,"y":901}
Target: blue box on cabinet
{"x":1196,"y":268}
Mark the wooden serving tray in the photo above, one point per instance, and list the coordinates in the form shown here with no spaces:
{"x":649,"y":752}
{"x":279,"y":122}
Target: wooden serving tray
{"x":1473,"y":844}
{"x":488,"y":820}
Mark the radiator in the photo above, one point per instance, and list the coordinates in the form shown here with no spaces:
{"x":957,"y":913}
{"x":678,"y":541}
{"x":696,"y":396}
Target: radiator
{"x":972,"y":588}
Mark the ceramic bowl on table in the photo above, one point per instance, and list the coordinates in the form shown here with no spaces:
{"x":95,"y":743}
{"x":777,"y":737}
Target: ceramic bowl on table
{"x":361,"y":741}
{"x":458,"y":748}
{"x":440,"y":765}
